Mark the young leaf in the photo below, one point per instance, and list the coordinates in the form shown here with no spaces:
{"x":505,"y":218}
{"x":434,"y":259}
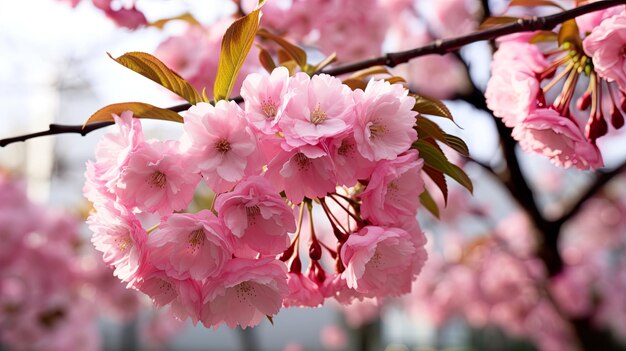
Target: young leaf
{"x":187,"y":17}
{"x":457,"y":144}
{"x":427,"y":128}
{"x":497,"y":21}
{"x":325,"y":62}
{"x":139,"y":109}
{"x":296,"y":53}
{"x":155,"y":70}
{"x":431,"y":106}
{"x":429,"y":203}
{"x":543,"y":36}
{"x":236,"y":44}
{"x":439,"y":180}
{"x":395,"y":80}
{"x":266,"y":59}
{"x":436,"y":159}
{"x":355,"y":84}
{"x":569,"y":34}
{"x":370,"y":71}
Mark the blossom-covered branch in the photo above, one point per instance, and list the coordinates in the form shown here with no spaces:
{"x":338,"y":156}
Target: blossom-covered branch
{"x":439,"y":47}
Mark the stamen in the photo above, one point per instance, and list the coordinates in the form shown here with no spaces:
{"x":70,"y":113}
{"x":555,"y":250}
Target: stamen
{"x":158,"y":179}
{"x":317,"y":115}
{"x":222,"y":146}
{"x":269,"y":108}
{"x":196,"y":240}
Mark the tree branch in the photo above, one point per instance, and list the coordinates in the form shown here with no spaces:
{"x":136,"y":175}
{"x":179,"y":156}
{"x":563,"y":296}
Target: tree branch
{"x":603,"y":178}
{"x":440,"y":47}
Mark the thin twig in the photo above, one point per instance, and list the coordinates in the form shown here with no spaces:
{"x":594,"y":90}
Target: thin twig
{"x":440,"y":47}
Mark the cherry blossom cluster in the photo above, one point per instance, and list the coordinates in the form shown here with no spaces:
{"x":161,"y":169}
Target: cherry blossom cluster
{"x":316,"y":194}
{"x":48,"y":282}
{"x":564,"y":124}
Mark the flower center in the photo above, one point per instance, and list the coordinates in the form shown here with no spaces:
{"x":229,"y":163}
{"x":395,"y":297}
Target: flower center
{"x":269,"y":108}
{"x":345,"y":148}
{"x":376,"y":259}
{"x":123,"y":243}
{"x":245,"y":291}
{"x":317,"y":115}
{"x":158,"y":179}
{"x":196,"y":240}
{"x":376,"y":130}
{"x":222,"y":146}
{"x":302,"y":161}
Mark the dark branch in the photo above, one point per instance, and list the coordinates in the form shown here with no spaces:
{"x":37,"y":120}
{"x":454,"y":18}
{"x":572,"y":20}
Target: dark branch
{"x":442,"y":47}
{"x":439,"y":47}
{"x":602,"y":179}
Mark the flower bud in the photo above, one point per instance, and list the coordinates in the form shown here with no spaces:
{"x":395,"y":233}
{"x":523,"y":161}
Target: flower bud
{"x":315,"y":250}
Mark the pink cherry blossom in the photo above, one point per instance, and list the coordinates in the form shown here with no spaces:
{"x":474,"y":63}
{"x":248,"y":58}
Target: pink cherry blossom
{"x":304,"y":172}
{"x":303,"y":292}
{"x":126,"y":16}
{"x":384,"y":120}
{"x":587,"y":22}
{"x":605,"y":45}
{"x":221,"y":144}
{"x":119,"y":236}
{"x":513,"y":87}
{"x":190,"y":246}
{"x":393,"y":190}
{"x":246,"y":292}
{"x":451,"y":18}
{"x":320,"y":107}
{"x":257,"y":216}
{"x":350,"y":165}
{"x":112,"y":155}
{"x":379,"y":261}
{"x":265,"y":98}
{"x":546,"y":132}
{"x":157,"y":179}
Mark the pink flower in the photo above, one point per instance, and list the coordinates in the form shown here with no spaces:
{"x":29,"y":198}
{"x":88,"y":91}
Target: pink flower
{"x":587,"y":22}
{"x":112,"y":155}
{"x":350,"y":165}
{"x":333,"y":337}
{"x":303,"y":292}
{"x":190,"y":246}
{"x":393,"y":191}
{"x":246,"y":292}
{"x":546,"y":132}
{"x":320,"y":107}
{"x":379,"y":261}
{"x":513,"y":87}
{"x":257,"y":216}
{"x":606,"y":45}
{"x":385,"y":120}
{"x":184,"y":296}
{"x":157,"y":179}
{"x":119,"y":236}
{"x":221,"y":144}
{"x":265,"y":98}
{"x":126,"y":16}
{"x":305,"y":171}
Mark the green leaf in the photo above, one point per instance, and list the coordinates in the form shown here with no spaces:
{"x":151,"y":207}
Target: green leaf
{"x":457,"y":144}
{"x":436,"y":159}
{"x":431,"y":106}
{"x":439,"y":180}
{"x":155,"y":70}
{"x":187,"y":17}
{"x":429,"y":203}
{"x":543,"y":36}
{"x":427,"y":128}
{"x":568,"y":33}
{"x":236,"y":44}
{"x":139,"y":109}
{"x":533,"y":3}
{"x":497,"y":21}
{"x":295,"y":52}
